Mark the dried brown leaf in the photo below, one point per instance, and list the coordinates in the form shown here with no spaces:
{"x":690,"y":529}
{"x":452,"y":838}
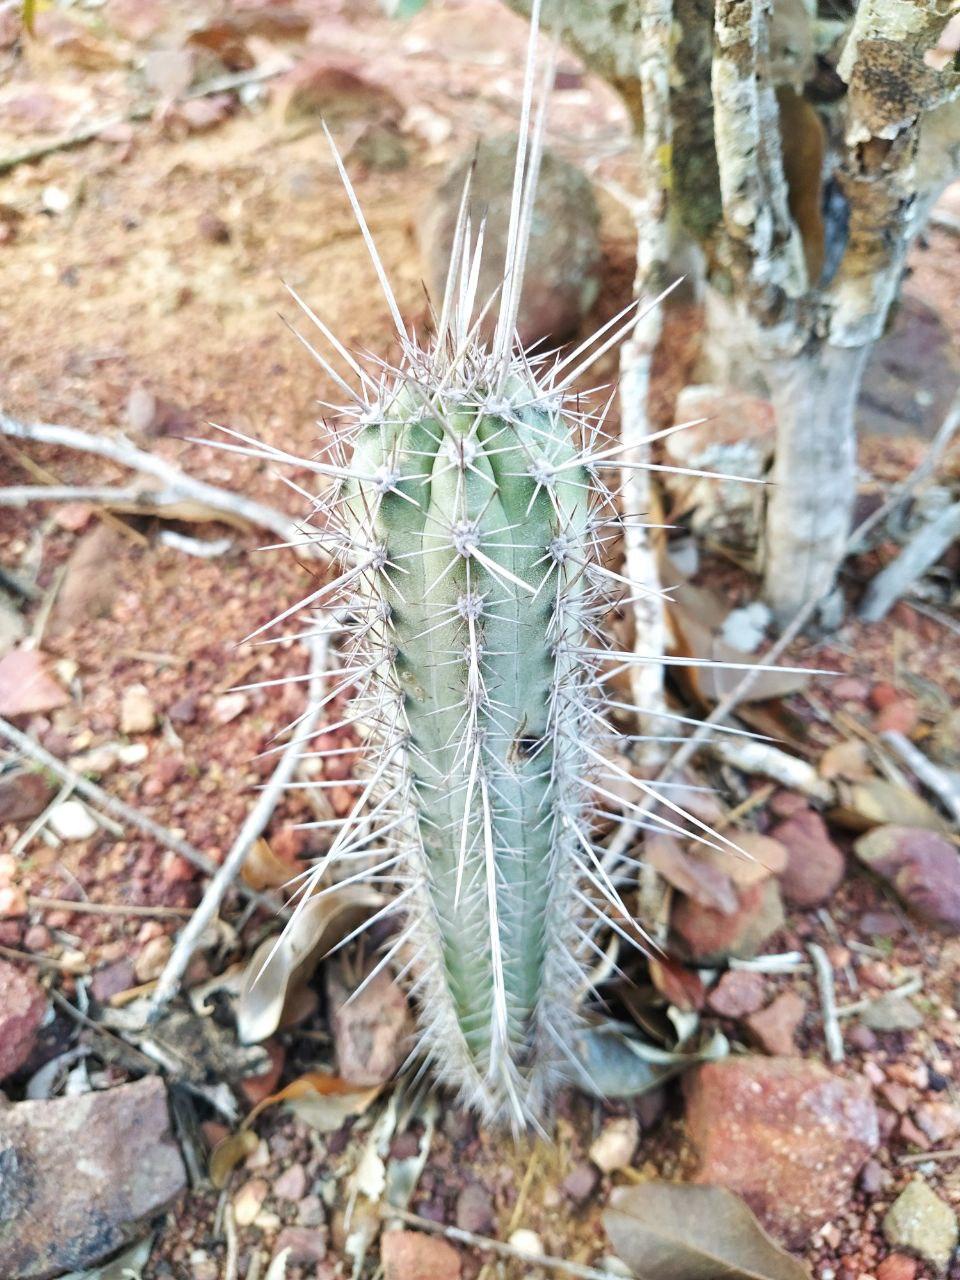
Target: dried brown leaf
{"x":228,"y":1153}
{"x":677,"y":1231}
{"x":25,"y":686}
{"x":323,"y":1101}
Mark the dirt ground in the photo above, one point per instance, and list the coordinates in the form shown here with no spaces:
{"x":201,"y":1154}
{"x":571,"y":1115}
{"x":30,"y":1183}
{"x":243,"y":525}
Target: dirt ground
{"x":141,"y":277}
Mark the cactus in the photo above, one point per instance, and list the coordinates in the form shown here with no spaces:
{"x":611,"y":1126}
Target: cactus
{"x":469,"y":514}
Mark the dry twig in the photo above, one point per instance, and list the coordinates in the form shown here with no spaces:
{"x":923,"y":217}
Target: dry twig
{"x":828,"y":1002}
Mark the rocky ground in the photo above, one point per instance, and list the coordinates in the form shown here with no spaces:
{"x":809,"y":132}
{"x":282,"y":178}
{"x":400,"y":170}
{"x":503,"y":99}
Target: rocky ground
{"x":141,"y":275}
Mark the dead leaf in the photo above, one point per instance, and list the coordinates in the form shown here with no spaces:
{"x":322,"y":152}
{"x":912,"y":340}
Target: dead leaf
{"x":323,"y":1101}
{"x":699,"y":879}
{"x":848,"y":760}
{"x":767,"y":858}
{"x":25,"y":686}
{"x":278,"y":1266}
{"x":263,"y":869}
{"x":282,"y":967}
{"x":128,"y":1265}
{"x":618,"y":1065}
{"x":228,"y":1153}
{"x":676,"y":1231}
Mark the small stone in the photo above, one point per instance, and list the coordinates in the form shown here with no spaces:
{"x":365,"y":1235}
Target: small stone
{"x":213,"y":228}
{"x":475,"y":1210}
{"x":940,"y":1121}
{"x":72,"y":820}
{"x":738,"y":993}
{"x":248,"y":1201}
{"x":783,"y":1133}
{"x":581,"y":1182}
{"x":910,"y":1134}
{"x":900,"y":716}
{"x":892,"y":1013}
{"x":23,"y":1004}
{"x":919,"y":1221}
{"x":152,"y":958}
{"x":412,"y":1255}
{"x":307,"y":1245}
{"x":562,"y":278}
{"x":922,"y":867}
{"x":711,"y":936}
{"x":310,"y":1212}
{"x":896,"y":1095}
{"x":23,"y":796}
{"x":616,"y":1144}
{"x":880,"y":924}
{"x":13,"y":902}
{"x":897,"y":1266}
{"x":873,"y":1178}
{"x":862,"y":1038}
{"x":371,"y":1031}
{"x":815,"y":865}
{"x":228,"y":706}
{"x":111,"y":979}
{"x":291,"y":1184}
{"x":141,"y":417}
{"x":137,"y":712}
{"x":527,"y":1242}
{"x":84,"y":1176}
{"x":774,"y":1027}
{"x":37,"y":938}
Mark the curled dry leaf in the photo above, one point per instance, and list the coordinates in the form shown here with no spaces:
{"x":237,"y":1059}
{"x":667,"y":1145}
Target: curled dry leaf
{"x":676,"y":1231}
{"x":228,"y":1153}
{"x":322,"y":1101}
{"x":877,"y":802}
{"x":262,"y":868}
{"x":280,"y":968}
{"x":617,"y":1065}
{"x":691,"y":874}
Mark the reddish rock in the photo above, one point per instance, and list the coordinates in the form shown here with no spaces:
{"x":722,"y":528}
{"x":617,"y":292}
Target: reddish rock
{"x":581,"y":1182}
{"x":775,"y":1027}
{"x":83,"y":1176}
{"x":475,"y":1210}
{"x":783,"y":1133}
{"x":370,"y":1031}
{"x":923,"y":868}
{"x":23,"y":795}
{"x":940,"y":1121}
{"x":292,"y":1183}
{"x":306,"y":1244}
{"x":411,"y":1255}
{"x":900,"y":716}
{"x":815,"y":867}
{"x":13,"y":902}
{"x":23,"y":1004}
{"x":898,"y":1097}
{"x":883,"y":695}
{"x":897,"y":1267}
{"x":334,"y":88}
{"x":712,"y":935}
{"x":111,"y":979}
{"x":786,"y":803}
{"x":737,"y":993}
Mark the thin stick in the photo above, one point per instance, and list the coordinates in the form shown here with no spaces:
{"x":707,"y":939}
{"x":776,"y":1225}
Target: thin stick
{"x":828,"y":1002}
{"x":256,"y":821}
{"x":105,"y":908}
{"x":932,"y":776}
{"x":948,"y":1153}
{"x":924,"y":549}
{"x":42,"y":962}
{"x":77,"y":138}
{"x":495,"y":1246}
{"x":126,"y":813}
{"x":177,"y":482}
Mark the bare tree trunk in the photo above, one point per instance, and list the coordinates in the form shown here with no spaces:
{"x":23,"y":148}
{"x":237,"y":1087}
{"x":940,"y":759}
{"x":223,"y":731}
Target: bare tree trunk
{"x":814,"y":475}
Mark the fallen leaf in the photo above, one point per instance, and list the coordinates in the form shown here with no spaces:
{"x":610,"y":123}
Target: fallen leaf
{"x":262,"y":869}
{"x":277,"y":1269}
{"x":128,"y":1265}
{"x":617,"y":1065}
{"x":877,"y":803}
{"x":849,"y":760}
{"x":228,"y":1153}
{"x":282,"y":967}
{"x":767,"y":858}
{"x":676,"y":1231}
{"x":322,"y":1101}
{"x":25,"y":686}
{"x":692,"y":875}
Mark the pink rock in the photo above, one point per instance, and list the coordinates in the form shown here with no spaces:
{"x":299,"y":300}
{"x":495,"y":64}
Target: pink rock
{"x":112,"y":979}
{"x":23,"y":1004}
{"x":737,"y":994}
{"x":815,"y":867}
{"x":475,"y":1209}
{"x":897,"y":1267}
{"x":13,"y":902}
{"x":897,"y":717}
{"x":711,"y":935}
{"x":774,"y":1027}
{"x":783,"y":1133}
{"x":306,"y":1244}
{"x":411,"y":1255}
{"x":23,"y":795}
{"x":923,"y":868}
{"x":940,"y":1121}
{"x":82,"y":1177}
{"x":370,"y":1033}
{"x":292,"y":1183}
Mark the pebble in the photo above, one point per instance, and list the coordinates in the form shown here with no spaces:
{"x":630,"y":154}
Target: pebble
{"x":616,"y":1144}
{"x":738,"y":993}
{"x":815,"y":865}
{"x":892,"y":1013}
{"x":873,"y":1177}
{"x":310,"y":1212}
{"x":412,"y":1255}
{"x":526,"y":1242}
{"x":137,"y":712}
{"x":72,"y":820}
{"x":940,"y":1121}
{"x":306,"y":1244}
{"x":774,"y":1028}
{"x":13,"y":902}
{"x":918,"y":1220}
{"x":921,"y":866}
{"x":152,"y":958}
{"x":248,"y":1201}
{"x":228,"y":706}
{"x":474,"y":1210}
{"x":581,"y":1182}
{"x":897,"y":1266}
{"x":111,"y":979}
{"x":710,"y":935}
{"x":23,"y":1004}
{"x":292,"y":1183}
